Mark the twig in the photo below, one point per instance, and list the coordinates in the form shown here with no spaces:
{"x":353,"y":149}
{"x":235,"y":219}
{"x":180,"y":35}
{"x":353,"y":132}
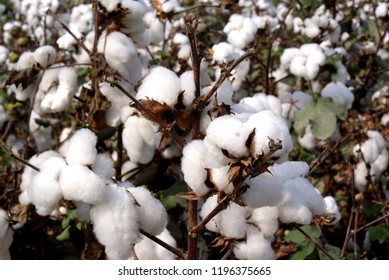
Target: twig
{"x":175,"y":251}
{"x":119,"y":162}
{"x":313,"y":241}
{"x":12,"y":155}
{"x":372,"y":223}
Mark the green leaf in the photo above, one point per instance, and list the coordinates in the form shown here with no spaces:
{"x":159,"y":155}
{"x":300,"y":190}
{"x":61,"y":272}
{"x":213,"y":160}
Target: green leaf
{"x":379,"y":233}
{"x":321,"y":116}
{"x":332,"y":250}
{"x":373,"y":30}
{"x":64,"y":235}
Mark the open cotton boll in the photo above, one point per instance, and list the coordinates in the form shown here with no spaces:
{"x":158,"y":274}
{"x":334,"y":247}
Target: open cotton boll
{"x":188,"y":86}
{"x":270,"y":125}
{"x":339,"y":94}
{"x":228,"y":133}
{"x":161,"y":85}
{"x":266,"y":219}
{"x":308,"y":141}
{"x":192,"y":166}
{"x":240,"y":30}
{"x":232,"y":221}
{"x":207,"y":208}
{"x":297,"y":66}
{"x":332,"y":209}
{"x":301,"y":202}
{"x":289,"y":170}
{"x":45,"y":56}
{"x":214,"y":156}
{"x":152,"y":215}
{"x":265,"y":190}
{"x":223,"y":52}
{"x":44,"y":190}
{"x":369,"y":150}
{"x":120,"y":54}
{"x":381,"y":10}
{"x":288,"y":55}
{"x":147,"y":249}
{"x":255,"y":247}
{"x":6,"y":235}
{"x":80,"y":183}
{"x":220,"y":177}
{"x":115,"y":222}
{"x":103,"y":166}
{"x":360,"y":176}
{"x":82,"y":148}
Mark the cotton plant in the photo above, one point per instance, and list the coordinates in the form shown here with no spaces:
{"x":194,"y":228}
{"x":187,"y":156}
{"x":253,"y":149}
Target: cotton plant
{"x":373,"y":160}
{"x":240,"y":31}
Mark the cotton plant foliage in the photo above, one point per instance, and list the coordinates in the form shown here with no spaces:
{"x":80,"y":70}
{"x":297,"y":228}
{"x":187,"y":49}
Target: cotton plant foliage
{"x":235,"y":146}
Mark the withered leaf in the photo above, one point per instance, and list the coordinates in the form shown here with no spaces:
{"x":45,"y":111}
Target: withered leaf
{"x":24,"y":77}
{"x":208,"y":181}
{"x":250,"y":143}
{"x":219,"y":110}
{"x":153,"y":110}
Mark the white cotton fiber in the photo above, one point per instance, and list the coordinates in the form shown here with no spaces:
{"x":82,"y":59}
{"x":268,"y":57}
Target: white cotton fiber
{"x":80,"y":183}
{"x":228,"y":133}
{"x":266,"y":219}
{"x":115,"y":222}
{"x":289,"y":170}
{"x":161,"y":85}
{"x":44,"y":190}
{"x":45,"y":55}
{"x":103,"y":166}
{"x":220,"y":177}
{"x":255,"y":247}
{"x":269,"y":125}
{"x":207,"y":208}
{"x":232,"y":221}
{"x":152,"y":215}
{"x":332,"y":209}
{"x":339,"y":94}
{"x":264,"y":190}
{"x":6,"y":235}
{"x":82,"y":148}
{"x":147,"y":249}
{"x":192,"y":166}
{"x":188,"y":86}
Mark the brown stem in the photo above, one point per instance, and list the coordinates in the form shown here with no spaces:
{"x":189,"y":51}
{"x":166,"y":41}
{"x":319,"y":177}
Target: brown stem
{"x":175,"y":251}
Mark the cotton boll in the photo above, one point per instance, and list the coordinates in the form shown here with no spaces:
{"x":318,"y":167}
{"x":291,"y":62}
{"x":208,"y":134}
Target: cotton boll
{"x":269,"y":125}
{"x":332,"y":209}
{"x":381,"y":10}
{"x":82,"y":148}
{"x":297,"y":66}
{"x":308,"y":141}
{"x":232,"y":221}
{"x":289,"y":170}
{"x":207,"y":208}
{"x":192,"y":165}
{"x":80,"y":183}
{"x":103,"y":166}
{"x":152,"y":215}
{"x":45,"y":56}
{"x":220,"y":177}
{"x":339,"y":94}
{"x":120,"y":54}
{"x":266,"y":219}
{"x":161,"y":252}
{"x":360,"y":176}
{"x":115,"y":222}
{"x":223,"y":52}
{"x":264,"y":190}
{"x":214,"y":155}
{"x":44,"y":190}
{"x":228,"y":133}
{"x":188,"y":86}
{"x":6,"y":235}
{"x":161,"y":85}
{"x":147,"y":249}
{"x":255,"y":247}
{"x":288,"y":55}
{"x":313,"y":62}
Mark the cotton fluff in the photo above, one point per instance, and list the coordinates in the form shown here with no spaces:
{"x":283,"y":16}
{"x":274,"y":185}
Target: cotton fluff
{"x":6,"y":235}
{"x":255,"y":247}
{"x":147,"y":249}
{"x":208,"y":206}
{"x":82,"y":148}
{"x":339,"y":94}
{"x":301,"y":202}
{"x":79,"y":183}
{"x":103,"y":166}
{"x":228,"y":133}
{"x":232,"y":221}
{"x":268,"y":125}
{"x":44,"y":190}
{"x":3,"y":116}
{"x":161,"y":85}
{"x":240,"y":30}
{"x":3,"y":54}
{"x":266,"y":219}
{"x":45,"y":56}
{"x":41,"y":134}
{"x":303,"y":62}
{"x":140,"y":138}
{"x":372,"y":152}
{"x":258,"y":102}
{"x":121,"y":55}
{"x":193,"y":166}
{"x":152,"y":215}
{"x":332,"y":209}
{"x":221,"y":179}
{"x":115,"y":222}
{"x":56,"y":89}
